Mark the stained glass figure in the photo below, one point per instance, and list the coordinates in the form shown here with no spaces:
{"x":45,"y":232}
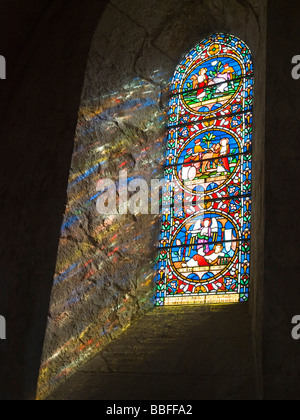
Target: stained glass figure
{"x":204,"y":251}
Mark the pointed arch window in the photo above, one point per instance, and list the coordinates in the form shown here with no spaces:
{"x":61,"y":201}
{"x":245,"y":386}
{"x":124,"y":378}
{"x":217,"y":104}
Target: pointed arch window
{"x":204,"y":251}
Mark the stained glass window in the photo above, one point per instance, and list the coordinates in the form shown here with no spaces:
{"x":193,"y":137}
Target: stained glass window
{"x":204,"y":248}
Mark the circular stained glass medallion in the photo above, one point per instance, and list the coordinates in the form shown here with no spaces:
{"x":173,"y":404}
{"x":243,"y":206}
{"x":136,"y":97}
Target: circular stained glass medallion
{"x":211,"y":84}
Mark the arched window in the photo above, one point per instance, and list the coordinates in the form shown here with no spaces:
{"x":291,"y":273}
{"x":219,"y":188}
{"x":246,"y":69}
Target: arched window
{"x":204,"y":251}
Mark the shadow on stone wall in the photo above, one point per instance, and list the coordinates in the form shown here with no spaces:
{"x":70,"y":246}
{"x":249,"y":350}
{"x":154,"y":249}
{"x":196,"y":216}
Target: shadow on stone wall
{"x":104,"y":272}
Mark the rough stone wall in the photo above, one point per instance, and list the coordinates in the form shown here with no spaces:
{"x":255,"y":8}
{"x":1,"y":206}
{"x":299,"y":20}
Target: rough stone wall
{"x":258,"y":194}
{"x":281,"y":368}
{"x":104,"y":273}
{"x":46,"y":44}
